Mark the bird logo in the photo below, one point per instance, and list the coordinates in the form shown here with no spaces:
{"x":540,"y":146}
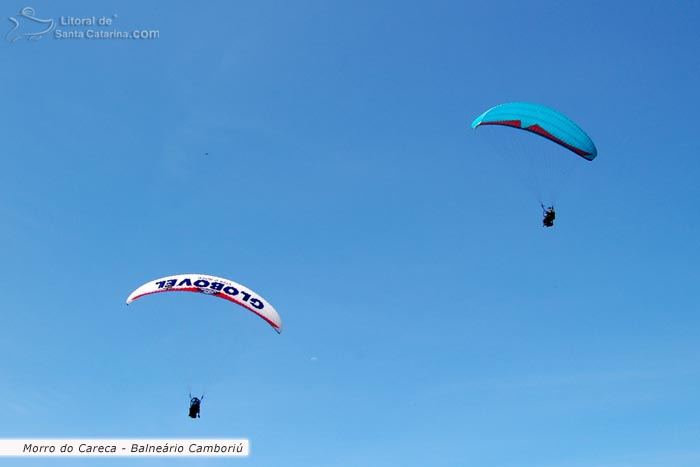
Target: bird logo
{"x":28,"y":21}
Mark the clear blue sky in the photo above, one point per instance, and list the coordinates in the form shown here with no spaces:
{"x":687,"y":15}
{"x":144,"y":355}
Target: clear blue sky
{"x":429,"y":319}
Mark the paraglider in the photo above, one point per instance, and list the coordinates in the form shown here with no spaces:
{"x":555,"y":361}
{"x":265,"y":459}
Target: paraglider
{"x":195,"y":406}
{"x":549,"y":216}
{"x":214,"y":286}
{"x":547,"y":123}
{"x":217,"y":287}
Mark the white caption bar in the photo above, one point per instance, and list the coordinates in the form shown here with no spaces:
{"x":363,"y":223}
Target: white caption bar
{"x":123,"y":447}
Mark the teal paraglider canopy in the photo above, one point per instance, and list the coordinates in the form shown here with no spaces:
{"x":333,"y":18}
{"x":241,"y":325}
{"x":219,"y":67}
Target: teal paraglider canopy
{"x":543,"y":121}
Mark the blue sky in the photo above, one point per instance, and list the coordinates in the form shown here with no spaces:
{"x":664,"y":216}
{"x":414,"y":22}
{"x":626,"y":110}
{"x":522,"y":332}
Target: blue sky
{"x":429,"y":318}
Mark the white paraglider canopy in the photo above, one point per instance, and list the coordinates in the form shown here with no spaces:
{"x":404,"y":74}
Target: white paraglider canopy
{"x":215,"y":286}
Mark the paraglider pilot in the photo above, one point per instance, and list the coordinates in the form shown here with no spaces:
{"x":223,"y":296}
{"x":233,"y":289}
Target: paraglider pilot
{"x":194,"y":406}
{"x":549,"y":216}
